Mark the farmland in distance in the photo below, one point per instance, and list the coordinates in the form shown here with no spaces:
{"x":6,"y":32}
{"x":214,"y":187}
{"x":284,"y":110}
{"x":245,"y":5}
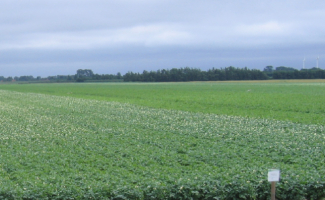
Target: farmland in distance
{"x":298,"y":101}
{"x":161,"y":141}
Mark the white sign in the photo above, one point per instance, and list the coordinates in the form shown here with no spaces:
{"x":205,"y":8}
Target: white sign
{"x":273,"y":175}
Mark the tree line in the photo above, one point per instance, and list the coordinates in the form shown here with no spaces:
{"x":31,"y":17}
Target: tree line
{"x":194,"y":74}
{"x":182,"y":74}
{"x":291,"y":73}
{"x":81,"y":76}
{"x":224,"y":74}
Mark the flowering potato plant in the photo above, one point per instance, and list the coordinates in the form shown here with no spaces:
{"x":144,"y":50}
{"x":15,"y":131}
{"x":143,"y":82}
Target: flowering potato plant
{"x":55,"y":147}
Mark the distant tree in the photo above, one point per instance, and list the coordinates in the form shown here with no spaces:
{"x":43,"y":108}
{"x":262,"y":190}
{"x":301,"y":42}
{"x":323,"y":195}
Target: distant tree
{"x":62,"y":77}
{"x":283,"y":68}
{"x":80,"y":79}
{"x":118,"y":75}
{"x":84,"y":73}
{"x":51,"y":78}
{"x":26,"y":78}
{"x":268,"y":69}
{"x":315,"y":69}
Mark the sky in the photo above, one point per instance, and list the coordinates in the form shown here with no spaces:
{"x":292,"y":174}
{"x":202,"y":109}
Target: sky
{"x":58,"y":37}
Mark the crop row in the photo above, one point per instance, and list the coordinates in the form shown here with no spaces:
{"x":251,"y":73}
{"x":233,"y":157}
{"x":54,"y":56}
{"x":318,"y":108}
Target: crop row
{"x":69,"y":148}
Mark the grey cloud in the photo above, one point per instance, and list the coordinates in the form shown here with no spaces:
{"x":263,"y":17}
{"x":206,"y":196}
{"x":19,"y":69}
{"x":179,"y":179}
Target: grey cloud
{"x":141,"y":34}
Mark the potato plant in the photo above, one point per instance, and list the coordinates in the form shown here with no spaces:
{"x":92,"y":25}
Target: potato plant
{"x":57,"y":147}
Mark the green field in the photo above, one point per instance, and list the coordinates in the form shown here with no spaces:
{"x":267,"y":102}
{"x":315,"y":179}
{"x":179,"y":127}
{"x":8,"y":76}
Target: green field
{"x":296,"y":101}
{"x":209,"y":140}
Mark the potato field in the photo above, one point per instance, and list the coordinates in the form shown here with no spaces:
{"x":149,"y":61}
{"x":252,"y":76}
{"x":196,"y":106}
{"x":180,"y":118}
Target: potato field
{"x":98,"y":141}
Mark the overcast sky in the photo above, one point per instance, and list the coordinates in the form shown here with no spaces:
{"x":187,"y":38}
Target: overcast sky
{"x":58,"y":37}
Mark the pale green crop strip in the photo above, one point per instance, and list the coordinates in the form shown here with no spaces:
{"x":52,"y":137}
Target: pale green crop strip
{"x":55,"y":147}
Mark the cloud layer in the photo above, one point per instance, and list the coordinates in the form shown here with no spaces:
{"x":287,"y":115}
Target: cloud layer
{"x":58,"y":37}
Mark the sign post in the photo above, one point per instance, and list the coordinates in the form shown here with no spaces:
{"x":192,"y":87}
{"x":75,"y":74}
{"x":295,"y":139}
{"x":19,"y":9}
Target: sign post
{"x":273,"y":177}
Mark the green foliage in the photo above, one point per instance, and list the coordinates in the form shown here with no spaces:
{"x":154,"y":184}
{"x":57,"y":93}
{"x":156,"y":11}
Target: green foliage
{"x":290,"y":101}
{"x":60,"y":147}
{"x":82,"y":73}
{"x":80,"y":80}
{"x":302,"y":74}
{"x":193,"y":74}
{"x":282,"y":68}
